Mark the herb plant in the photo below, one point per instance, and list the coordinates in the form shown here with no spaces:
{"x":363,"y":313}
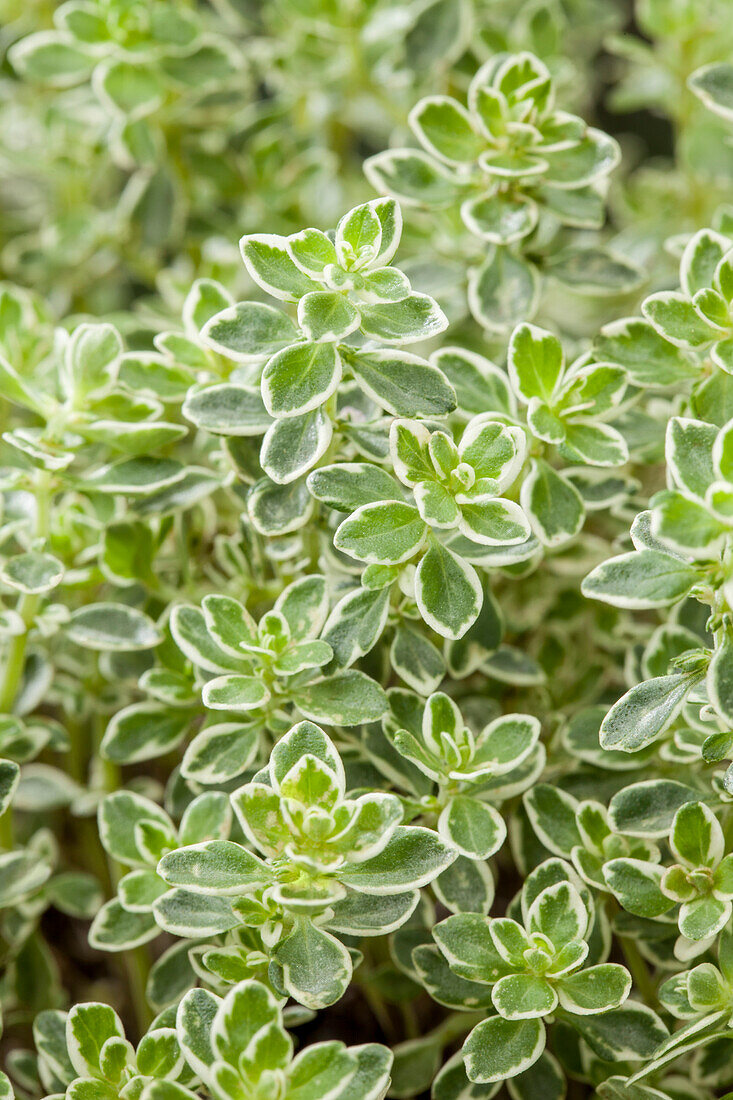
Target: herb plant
{"x":366,"y":550}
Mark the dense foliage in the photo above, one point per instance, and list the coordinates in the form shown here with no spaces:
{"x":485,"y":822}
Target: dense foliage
{"x":366,"y":591}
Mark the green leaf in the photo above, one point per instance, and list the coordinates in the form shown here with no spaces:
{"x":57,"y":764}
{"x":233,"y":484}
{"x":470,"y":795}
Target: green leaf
{"x":220,"y":752}
{"x":294,"y":445}
{"x":143,"y":731}
{"x":713,"y":86}
{"x":644,"y":712}
{"x":249,"y":331}
{"x":347,"y":698}
{"x":648,"y":808}
{"x":696,"y":838}
{"x":552,"y":504}
{"x":217,"y":867}
{"x":416,"y":317}
{"x":127,"y":88}
{"x":479,"y":383}
{"x":91,"y":361}
{"x":416,"y":660}
{"x":233,"y":692}
{"x":535,"y":363}
{"x":194,"y":916}
{"x":117,"y":929}
{"x":448,"y":592}
{"x":649,"y":359}
{"x":112,"y":627}
{"x":631,"y":1033}
{"x":88,"y":1028}
{"x":445,"y":128}
{"x":300,"y":378}
{"x":640,"y":580}
{"x":494,"y":523}
{"x":51,"y":59}
{"x":268,"y":262}
{"x":595,"y":272}
{"x":498,"y":1049}
{"x":316,"y":967}
{"x":387,"y":532}
{"x":720,"y":678}
{"x":325,"y":315}
{"x":674,"y":317}
{"x":523,"y":997}
{"x":552,"y":813}
{"x":356,"y":623}
{"x":413,"y":177}
{"x":245,"y":1010}
{"x":17,"y":389}
{"x":573,"y":165}
{"x":686,"y":525}
{"x":21,"y":875}
{"x":500,"y":219}
{"x":312,"y":251}
{"x":502,"y":291}
{"x":279,"y":509}
{"x":348,"y":485}
{"x":465,"y":887}
{"x":636,"y":884}
{"x":304,"y":605}
{"x":9,"y":776}
{"x":120,"y":816}
{"x":596,"y":444}
{"x":32,"y":573}
{"x":596,"y":989}
{"x":559,"y":914}
{"x":402,"y":383}
{"x":227,"y":409}
{"x":412,"y":858}
{"x":475,"y":828}
{"x":700,"y":259}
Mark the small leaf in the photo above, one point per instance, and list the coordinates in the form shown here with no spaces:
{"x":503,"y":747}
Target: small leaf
{"x":112,"y":627}
{"x":447,"y":591}
{"x":498,"y":1049}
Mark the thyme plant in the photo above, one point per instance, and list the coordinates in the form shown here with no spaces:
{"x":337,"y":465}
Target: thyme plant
{"x":366,"y":536}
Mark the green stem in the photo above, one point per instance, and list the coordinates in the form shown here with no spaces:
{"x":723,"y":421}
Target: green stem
{"x":639,"y":972}
{"x":455,"y":1027}
{"x":27,"y":609}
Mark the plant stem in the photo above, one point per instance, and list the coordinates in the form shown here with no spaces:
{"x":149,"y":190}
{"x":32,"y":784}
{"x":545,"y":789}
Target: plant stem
{"x":639,"y":972}
{"x":27,"y":609}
